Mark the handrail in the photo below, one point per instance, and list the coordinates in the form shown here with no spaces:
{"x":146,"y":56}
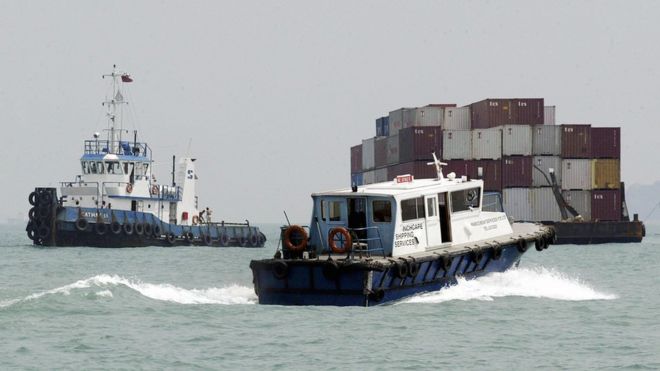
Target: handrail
{"x":366,"y":240}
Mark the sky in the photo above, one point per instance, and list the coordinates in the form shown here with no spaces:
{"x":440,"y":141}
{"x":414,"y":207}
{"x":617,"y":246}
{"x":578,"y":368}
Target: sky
{"x":269,"y":96}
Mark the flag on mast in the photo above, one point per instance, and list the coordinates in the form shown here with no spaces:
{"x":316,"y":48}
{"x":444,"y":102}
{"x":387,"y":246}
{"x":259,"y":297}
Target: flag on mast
{"x":126,"y":78}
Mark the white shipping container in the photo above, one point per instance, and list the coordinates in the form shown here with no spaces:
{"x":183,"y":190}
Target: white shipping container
{"x":546,"y":163}
{"x":576,"y":174}
{"x":424,"y":116}
{"x":457,"y":145}
{"x":517,"y":203}
{"x":369,"y":177}
{"x":457,"y":118}
{"x":368,"y":153}
{"x":380,"y":175}
{"x":516,"y":140}
{"x":549,"y":115}
{"x":580,"y":201}
{"x":544,"y":205}
{"x":546,"y":140}
{"x":487,"y":144}
{"x":397,"y":118}
{"x":392,"y":148}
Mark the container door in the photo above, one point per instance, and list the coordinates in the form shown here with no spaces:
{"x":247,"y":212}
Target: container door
{"x":433,"y":237}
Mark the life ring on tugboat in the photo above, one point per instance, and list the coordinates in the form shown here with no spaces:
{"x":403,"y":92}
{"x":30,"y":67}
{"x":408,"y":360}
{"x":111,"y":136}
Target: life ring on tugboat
{"x":289,"y":243}
{"x":81,"y":224}
{"x":345,"y":239}
{"x":522,"y":245}
{"x":195,"y":220}
{"x":129,"y":187}
{"x":154,"y":190}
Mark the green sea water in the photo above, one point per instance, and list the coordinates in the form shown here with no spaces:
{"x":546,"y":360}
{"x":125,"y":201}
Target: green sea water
{"x":569,"y":307}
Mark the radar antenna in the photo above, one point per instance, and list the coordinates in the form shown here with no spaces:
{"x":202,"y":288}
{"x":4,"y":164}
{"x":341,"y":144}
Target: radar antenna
{"x":438,"y":166}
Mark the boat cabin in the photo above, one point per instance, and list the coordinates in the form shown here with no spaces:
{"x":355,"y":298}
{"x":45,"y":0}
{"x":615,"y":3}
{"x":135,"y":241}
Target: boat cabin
{"x":405,"y":216}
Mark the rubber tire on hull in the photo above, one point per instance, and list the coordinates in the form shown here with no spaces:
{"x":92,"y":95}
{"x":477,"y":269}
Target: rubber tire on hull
{"x":43,"y":232}
{"x":413,"y":268}
{"x":45,"y":199}
{"x":330,"y":270}
{"x":32,"y":198}
{"x":522,"y":245}
{"x":223,"y":240}
{"x":138,"y":228}
{"x":148,"y":229}
{"x":170,"y":238}
{"x":82,"y":224}
{"x":31,"y":231}
{"x":115,"y":227}
{"x":128,"y":228}
{"x":280,"y":270}
{"x":101,"y":228}
{"x":401,"y":269}
{"x":497,"y":252}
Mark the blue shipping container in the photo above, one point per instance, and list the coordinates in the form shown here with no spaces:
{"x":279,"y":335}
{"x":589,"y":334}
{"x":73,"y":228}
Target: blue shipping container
{"x":356,"y":179}
{"x":383,"y":126}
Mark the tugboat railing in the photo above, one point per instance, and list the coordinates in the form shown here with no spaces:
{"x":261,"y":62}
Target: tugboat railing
{"x":361,"y":245}
{"x":125,"y":148}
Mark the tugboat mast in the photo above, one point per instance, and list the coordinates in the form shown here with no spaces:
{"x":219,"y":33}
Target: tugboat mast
{"x":114,"y":134}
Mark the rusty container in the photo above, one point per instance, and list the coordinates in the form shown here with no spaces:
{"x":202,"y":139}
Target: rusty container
{"x":576,"y":141}
{"x":606,"y":142}
{"x":490,"y":171}
{"x":356,"y":159}
{"x":606,"y":205}
{"x":489,"y":113}
{"x":418,"y":169}
{"x":605,"y":174}
{"x":517,"y":171}
{"x":458,"y":167}
{"x":419,"y":143}
{"x":392,"y":150}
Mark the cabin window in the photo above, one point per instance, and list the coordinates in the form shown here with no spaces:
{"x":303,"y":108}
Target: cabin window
{"x":334,"y":211}
{"x":382,"y":211}
{"x":412,"y":208}
{"x":430,"y":207}
{"x":113,"y":167}
{"x":99,"y":167}
{"x":92,"y":167}
{"x":465,"y":199}
{"x":85,"y":167}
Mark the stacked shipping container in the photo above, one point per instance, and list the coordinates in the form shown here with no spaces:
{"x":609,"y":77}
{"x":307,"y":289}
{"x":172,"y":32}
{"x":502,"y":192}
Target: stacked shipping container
{"x":507,"y":143}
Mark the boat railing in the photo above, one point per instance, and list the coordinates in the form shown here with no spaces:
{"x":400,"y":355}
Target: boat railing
{"x":168,"y":193}
{"x":366,"y":245}
{"x":124,"y":148}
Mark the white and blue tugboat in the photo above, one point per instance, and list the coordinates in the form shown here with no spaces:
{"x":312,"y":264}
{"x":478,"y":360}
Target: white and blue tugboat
{"x":116,"y":201}
{"x":386,"y":241}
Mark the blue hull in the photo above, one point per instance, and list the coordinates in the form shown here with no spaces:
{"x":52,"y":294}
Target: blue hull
{"x":357,"y":283}
{"x":54,"y":225}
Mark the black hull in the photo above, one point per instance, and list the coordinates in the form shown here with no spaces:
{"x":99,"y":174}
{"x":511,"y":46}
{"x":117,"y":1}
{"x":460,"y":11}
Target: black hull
{"x":586,"y":233}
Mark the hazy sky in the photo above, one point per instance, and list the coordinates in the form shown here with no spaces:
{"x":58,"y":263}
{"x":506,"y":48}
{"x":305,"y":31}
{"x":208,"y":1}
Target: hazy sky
{"x":273,"y":94}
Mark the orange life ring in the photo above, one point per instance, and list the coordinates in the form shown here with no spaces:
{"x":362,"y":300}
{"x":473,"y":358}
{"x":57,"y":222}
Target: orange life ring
{"x":154,"y":189}
{"x":287,"y":238}
{"x":195,"y":219}
{"x":348,"y":240}
{"x":129,"y":187}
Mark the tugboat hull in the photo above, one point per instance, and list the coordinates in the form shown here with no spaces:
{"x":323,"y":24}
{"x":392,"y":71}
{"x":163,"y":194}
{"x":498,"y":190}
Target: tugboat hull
{"x":376,"y":282}
{"x":54,"y":225}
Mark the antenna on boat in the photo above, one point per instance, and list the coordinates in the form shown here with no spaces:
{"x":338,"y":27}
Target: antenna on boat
{"x":438,"y":166}
{"x":114,"y":136}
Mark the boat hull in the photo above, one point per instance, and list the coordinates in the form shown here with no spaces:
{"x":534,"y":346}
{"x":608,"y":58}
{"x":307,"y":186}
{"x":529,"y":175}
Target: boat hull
{"x":369,"y":283}
{"x":54,"y":225}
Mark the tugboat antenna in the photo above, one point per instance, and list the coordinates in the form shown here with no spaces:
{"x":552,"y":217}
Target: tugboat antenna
{"x":438,"y":166}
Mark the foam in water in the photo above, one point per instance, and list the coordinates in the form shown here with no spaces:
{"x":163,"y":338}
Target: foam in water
{"x":525,"y":282}
{"x":233,"y":294}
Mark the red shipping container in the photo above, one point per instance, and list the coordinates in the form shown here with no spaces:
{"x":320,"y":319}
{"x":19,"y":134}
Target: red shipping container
{"x":489,"y":113}
{"x":528,"y":111}
{"x":606,"y":205}
{"x":380,"y":152}
{"x":418,"y":143}
{"x":458,"y":167}
{"x":606,"y":142}
{"x":356,"y":159}
{"x":442,"y":105}
{"x":576,"y":141}
{"x":517,"y":171}
{"x":491,"y":173}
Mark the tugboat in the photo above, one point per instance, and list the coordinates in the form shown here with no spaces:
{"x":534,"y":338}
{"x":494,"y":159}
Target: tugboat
{"x":116,"y":201}
{"x":383,"y":242}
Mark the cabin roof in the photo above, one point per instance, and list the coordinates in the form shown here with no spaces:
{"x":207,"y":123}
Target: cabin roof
{"x":392,"y":188}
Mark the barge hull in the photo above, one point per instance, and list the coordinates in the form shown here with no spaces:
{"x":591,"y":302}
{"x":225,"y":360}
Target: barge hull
{"x":584,"y":233}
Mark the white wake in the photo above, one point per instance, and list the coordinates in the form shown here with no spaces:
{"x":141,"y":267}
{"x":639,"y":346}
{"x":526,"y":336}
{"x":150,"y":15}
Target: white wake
{"x":232,"y":294}
{"x":525,"y":282}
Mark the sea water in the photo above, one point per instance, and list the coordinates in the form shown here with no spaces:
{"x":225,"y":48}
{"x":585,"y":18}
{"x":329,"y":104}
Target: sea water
{"x":569,"y":307}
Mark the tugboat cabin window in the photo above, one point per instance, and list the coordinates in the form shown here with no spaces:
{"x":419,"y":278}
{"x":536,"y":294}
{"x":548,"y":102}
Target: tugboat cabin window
{"x":85,"y":167}
{"x":113,"y":167}
{"x":465,"y":199}
{"x":331,"y":210}
{"x":412,"y":209}
{"x":382,"y":211}
{"x":99,"y":167}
